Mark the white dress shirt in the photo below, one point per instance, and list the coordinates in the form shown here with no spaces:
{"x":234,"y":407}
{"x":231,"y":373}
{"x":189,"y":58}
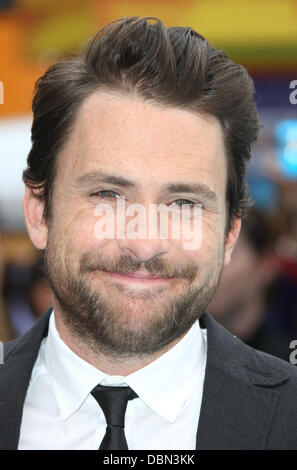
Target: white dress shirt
{"x":60,"y":413}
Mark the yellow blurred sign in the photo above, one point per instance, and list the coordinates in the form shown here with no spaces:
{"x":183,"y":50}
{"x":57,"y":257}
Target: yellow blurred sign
{"x":261,"y":34}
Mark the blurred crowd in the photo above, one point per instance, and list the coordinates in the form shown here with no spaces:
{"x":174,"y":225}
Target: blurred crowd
{"x":24,"y":291}
{"x":257,"y":296}
{"x":256,"y":299}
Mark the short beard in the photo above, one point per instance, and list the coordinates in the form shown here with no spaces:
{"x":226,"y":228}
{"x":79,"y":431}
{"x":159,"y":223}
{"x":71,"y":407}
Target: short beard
{"x":98,"y":325}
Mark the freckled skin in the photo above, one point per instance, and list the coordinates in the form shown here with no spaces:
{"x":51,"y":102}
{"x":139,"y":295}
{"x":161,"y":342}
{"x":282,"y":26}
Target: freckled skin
{"x":178,"y":141}
{"x":152,"y":145}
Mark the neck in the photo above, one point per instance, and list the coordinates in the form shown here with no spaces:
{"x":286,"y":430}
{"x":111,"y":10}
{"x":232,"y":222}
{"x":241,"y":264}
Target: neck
{"x":107,"y":364}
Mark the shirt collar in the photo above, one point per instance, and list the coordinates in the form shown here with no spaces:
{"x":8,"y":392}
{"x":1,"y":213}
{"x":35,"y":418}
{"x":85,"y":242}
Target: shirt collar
{"x":164,"y":384}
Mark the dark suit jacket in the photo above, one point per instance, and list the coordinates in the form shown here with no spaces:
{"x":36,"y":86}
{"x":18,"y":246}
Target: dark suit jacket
{"x":249,"y":397}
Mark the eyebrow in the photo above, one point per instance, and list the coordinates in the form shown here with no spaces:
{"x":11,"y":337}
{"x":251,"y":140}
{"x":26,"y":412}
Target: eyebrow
{"x":197,"y":188}
{"x":94,"y":177}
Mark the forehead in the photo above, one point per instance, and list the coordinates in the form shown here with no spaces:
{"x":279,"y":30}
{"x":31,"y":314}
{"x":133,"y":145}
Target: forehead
{"x":131,"y":135}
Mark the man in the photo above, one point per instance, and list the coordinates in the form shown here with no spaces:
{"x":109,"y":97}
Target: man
{"x":245,"y":298}
{"x":128,"y":358}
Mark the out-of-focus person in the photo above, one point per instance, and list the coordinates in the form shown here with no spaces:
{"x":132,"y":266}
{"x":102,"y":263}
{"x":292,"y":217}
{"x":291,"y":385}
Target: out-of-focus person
{"x":26,"y":293}
{"x":283,"y":313}
{"x":38,"y":292}
{"x":242,"y":300}
{"x":6,"y":329}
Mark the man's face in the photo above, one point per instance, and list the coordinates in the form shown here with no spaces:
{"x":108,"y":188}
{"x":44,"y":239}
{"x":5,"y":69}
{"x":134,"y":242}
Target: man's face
{"x":151,"y":147}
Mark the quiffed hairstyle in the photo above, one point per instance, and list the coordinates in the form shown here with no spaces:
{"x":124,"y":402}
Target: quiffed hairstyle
{"x":172,"y":66}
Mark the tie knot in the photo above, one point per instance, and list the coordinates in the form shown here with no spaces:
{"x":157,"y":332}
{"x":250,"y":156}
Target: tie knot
{"x":113,"y":402}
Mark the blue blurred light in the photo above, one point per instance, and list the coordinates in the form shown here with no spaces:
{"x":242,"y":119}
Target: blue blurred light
{"x":264,"y":192}
{"x":286,"y":141}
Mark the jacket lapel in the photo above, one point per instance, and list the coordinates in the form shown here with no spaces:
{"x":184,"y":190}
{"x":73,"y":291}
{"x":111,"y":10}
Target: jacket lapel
{"x":238,"y":400}
{"x":15,"y":374}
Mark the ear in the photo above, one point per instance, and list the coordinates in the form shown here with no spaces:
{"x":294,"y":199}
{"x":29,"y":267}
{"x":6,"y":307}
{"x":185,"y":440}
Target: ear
{"x":231,"y":240}
{"x":33,"y":209}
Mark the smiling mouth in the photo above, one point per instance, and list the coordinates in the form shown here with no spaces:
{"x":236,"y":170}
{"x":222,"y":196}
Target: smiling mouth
{"x":138,"y":277}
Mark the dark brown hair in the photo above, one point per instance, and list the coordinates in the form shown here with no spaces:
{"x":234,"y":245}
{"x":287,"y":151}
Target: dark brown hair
{"x":173,"y":66}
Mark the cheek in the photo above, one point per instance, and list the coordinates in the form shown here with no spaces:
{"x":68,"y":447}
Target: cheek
{"x":212,"y":234}
{"x":87,"y":233}
{"x":75,"y":234}
{"x":204,"y":246}
{"x":210,"y":251}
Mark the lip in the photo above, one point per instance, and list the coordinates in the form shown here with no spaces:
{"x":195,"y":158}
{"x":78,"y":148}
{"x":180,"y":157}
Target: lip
{"x":138,"y":277}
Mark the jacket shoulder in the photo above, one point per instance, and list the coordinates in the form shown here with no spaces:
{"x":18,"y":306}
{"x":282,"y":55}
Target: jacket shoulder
{"x":270,"y":363}
{"x":283,"y":435}
{"x":229,"y":353}
{"x":29,"y":342}
{"x":9,"y":346}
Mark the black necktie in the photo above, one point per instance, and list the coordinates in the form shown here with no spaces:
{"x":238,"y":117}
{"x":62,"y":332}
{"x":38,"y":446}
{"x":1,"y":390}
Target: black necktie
{"x":113,"y":402}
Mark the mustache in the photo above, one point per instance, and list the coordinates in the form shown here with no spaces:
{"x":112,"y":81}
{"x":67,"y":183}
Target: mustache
{"x":125,"y":264}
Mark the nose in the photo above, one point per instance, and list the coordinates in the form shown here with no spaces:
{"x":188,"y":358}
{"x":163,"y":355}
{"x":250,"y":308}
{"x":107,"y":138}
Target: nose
{"x":144,"y":243}
{"x":144,"y":249}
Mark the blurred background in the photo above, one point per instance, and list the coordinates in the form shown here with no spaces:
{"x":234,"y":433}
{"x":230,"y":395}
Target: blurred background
{"x":257,"y":296}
